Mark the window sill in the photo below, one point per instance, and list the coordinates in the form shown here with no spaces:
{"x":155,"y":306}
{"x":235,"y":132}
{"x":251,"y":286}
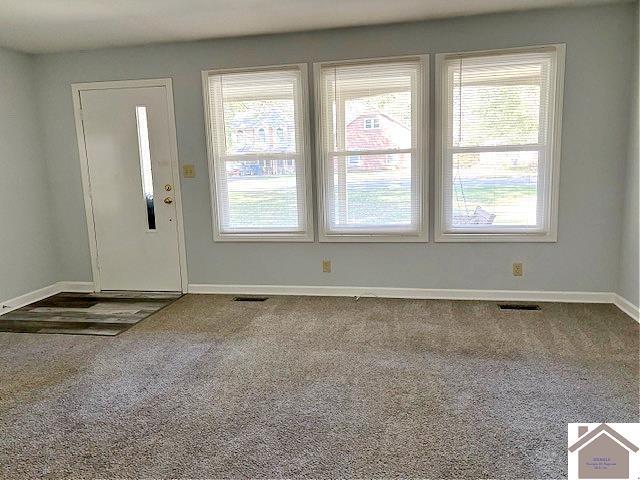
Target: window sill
{"x":372,"y":238}
{"x":263,"y":237}
{"x":496,"y":237}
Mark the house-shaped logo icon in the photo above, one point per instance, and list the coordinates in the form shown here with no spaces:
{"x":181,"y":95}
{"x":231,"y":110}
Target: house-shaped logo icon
{"x":602,"y":453}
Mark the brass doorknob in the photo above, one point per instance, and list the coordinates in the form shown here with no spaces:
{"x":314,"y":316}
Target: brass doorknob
{"x":168,"y":200}
{"x":168,"y":187}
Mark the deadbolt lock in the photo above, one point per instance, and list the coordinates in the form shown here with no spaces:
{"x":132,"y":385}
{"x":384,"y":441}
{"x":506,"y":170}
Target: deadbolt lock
{"x":168,"y":200}
{"x":168,"y":187}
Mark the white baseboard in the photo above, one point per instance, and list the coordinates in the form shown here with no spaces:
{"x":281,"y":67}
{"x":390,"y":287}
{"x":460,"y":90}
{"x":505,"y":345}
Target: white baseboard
{"x":11,"y":304}
{"x":627,"y":307}
{"x":341,"y":291}
{"x":420,"y":293}
{"x":424,"y":293}
{"x":78,"y":287}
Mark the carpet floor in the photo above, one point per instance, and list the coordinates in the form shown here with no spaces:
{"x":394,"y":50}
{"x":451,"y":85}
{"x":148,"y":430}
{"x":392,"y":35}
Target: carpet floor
{"x":317,"y":387}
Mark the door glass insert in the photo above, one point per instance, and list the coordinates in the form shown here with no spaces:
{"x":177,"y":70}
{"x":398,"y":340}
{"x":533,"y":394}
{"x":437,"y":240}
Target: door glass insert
{"x":145,"y":165}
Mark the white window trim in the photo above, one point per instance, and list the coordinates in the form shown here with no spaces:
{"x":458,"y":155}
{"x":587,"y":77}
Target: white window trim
{"x":422,"y":154}
{"x":551,"y":232}
{"x":305,"y":152}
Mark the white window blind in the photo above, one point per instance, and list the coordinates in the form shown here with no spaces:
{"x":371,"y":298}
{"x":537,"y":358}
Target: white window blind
{"x":498,"y":136}
{"x":370,"y":148}
{"x":259,"y":153}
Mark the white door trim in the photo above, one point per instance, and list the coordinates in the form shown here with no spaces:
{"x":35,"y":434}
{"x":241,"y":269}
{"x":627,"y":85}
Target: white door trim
{"x":76,"y":89}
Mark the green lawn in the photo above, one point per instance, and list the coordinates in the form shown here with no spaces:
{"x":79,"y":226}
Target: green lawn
{"x":486,"y":194}
{"x":266,"y":208}
{"x":266,"y":201}
{"x":512,"y":204}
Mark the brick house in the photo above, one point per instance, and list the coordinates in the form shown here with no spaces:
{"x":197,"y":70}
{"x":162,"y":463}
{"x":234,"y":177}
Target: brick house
{"x":376,"y":131}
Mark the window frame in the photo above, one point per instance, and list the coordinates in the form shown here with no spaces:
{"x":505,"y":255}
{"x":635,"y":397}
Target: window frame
{"x":422,"y":154}
{"x":308,"y":234}
{"x":553,"y":152}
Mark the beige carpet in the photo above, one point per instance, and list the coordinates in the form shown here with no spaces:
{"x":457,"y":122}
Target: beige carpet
{"x":316,"y":387}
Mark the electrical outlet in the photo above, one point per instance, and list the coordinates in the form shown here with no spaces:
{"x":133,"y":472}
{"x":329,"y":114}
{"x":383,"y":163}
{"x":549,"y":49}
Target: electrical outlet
{"x":188,"y":171}
{"x":326,"y":266}
{"x":517,"y":269}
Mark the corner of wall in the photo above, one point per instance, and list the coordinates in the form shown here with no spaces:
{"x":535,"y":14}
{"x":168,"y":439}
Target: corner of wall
{"x":52,"y":206}
{"x":27,"y":255}
{"x":628,"y":284}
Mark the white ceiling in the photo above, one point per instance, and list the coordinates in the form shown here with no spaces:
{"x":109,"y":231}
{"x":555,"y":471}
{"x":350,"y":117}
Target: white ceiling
{"x":39,"y":26}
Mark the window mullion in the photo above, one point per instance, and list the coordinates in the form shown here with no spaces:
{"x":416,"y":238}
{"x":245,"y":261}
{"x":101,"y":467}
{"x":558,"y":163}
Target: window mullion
{"x":350,"y":153}
{"x":248,"y":157}
{"x":498,"y":148}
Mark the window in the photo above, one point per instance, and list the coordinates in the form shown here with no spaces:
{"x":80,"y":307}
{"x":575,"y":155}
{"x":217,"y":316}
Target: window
{"x":370,"y":123}
{"x":371,"y":152}
{"x":259,"y":187}
{"x":498,"y":145}
{"x":145,"y":165}
{"x":262,"y":136}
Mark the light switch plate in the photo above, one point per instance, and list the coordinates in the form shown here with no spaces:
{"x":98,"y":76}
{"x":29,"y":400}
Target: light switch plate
{"x":188,"y":171}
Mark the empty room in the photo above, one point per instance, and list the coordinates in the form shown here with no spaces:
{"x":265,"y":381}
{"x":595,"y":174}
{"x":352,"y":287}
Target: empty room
{"x":301,"y":239}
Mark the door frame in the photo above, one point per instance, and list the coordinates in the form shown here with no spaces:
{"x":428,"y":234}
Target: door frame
{"x":166,"y":83}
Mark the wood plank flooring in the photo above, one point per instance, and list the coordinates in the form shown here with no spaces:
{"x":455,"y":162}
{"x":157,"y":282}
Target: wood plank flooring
{"x":104,"y":313}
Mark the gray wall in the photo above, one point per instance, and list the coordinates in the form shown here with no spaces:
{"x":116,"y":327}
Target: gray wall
{"x":628,"y":285}
{"x":27,"y":258}
{"x":594,"y":149}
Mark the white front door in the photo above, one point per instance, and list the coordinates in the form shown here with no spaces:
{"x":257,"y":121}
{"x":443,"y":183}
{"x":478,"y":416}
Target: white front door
{"x":131,"y":183}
